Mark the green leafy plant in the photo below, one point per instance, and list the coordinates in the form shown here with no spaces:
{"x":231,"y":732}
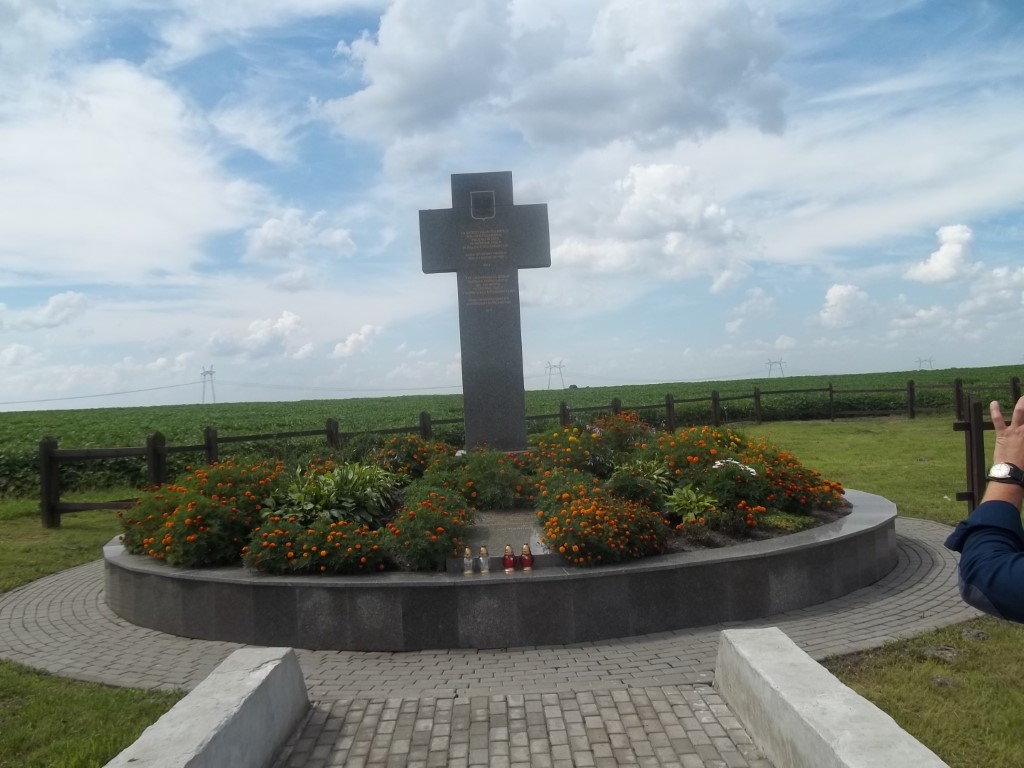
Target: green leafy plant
{"x":643,"y":480}
{"x":357,"y":493}
{"x":687,"y":505}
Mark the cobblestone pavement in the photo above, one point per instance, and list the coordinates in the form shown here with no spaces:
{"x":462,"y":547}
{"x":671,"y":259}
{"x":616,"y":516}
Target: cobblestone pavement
{"x":664,"y":726}
{"x":61,"y":624}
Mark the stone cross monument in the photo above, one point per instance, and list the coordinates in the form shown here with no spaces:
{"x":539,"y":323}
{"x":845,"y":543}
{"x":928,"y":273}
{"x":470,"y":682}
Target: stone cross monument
{"x":485,"y":239}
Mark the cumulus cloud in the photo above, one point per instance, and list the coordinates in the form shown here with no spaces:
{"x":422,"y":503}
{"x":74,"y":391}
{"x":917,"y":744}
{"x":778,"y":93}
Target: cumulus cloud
{"x":265,"y":338}
{"x":357,"y":341}
{"x":949,"y":262}
{"x":121,"y":166}
{"x":293,"y":235}
{"x":59,"y":309}
{"x":573,"y":73}
{"x":655,"y":220}
{"x":30,"y":34}
{"x":844,"y":305}
{"x":16,"y":354}
{"x":784,"y":342}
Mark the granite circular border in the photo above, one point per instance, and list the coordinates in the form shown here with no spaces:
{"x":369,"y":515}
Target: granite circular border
{"x":548,"y":606}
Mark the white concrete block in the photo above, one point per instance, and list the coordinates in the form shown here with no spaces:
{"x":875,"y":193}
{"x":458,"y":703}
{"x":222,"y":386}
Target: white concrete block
{"x":800,"y":715}
{"x":240,"y":715}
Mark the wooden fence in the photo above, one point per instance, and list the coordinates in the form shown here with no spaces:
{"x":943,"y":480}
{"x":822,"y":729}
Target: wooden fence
{"x":156,"y":450}
{"x":974,"y":427}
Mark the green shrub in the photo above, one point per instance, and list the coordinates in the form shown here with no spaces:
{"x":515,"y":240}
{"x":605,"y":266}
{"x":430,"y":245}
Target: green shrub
{"x":409,"y":455}
{"x":204,"y":518}
{"x":287,"y":545}
{"x":428,"y":529}
{"x":349,"y":492}
{"x":589,"y":526}
{"x":495,"y":480}
{"x":642,"y":480}
{"x":572,"y":448}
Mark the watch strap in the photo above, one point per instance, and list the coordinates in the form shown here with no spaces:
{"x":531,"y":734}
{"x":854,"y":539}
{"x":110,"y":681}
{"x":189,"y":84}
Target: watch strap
{"x":1016,"y":476}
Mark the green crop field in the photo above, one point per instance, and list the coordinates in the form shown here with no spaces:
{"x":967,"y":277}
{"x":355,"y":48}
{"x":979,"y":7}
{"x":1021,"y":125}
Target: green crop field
{"x":20,"y":432}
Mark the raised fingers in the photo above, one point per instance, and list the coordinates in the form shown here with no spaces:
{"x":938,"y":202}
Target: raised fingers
{"x":997,"y":415}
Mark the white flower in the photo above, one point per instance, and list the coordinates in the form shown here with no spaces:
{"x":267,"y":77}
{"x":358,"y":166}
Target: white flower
{"x":722,"y":462}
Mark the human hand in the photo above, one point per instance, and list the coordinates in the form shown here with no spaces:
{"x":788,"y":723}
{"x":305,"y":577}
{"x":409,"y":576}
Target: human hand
{"x":1009,"y":437}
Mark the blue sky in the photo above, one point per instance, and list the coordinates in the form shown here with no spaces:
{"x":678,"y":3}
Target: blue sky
{"x":235,"y":185}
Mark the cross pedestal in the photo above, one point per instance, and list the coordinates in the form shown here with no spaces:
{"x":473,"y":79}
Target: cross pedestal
{"x":485,"y":239}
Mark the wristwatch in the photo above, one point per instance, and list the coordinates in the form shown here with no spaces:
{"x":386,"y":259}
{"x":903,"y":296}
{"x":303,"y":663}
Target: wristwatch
{"x":1006,"y":473}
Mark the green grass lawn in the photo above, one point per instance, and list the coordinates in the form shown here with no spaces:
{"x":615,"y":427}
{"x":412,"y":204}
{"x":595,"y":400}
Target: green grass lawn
{"x":28,"y":550}
{"x":917,"y":464}
{"x":52,"y":722}
{"x":962,"y":704}
{"x":957,"y":690}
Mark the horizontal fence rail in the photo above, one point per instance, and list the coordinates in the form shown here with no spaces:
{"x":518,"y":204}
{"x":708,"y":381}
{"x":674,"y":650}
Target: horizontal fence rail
{"x":156,"y":450}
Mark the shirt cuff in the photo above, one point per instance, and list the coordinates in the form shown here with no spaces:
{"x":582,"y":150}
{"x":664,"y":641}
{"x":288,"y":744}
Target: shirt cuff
{"x":988,"y":514}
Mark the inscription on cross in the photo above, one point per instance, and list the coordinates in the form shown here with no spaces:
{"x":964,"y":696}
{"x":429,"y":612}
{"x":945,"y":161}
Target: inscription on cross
{"x":485,"y":240}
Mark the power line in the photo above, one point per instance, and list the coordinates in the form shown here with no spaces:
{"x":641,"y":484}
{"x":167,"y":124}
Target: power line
{"x":105,"y":394}
{"x":289,"y":387}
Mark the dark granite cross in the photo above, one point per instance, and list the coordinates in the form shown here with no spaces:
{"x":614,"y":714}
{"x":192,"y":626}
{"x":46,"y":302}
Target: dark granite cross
{"x":485,"y":240}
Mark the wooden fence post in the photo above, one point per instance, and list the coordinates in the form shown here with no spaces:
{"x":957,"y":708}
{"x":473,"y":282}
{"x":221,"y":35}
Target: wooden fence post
{"x":156,"y":459}
{"x":716,"y":408}
{"x":210,"y":444}
{"x":757,"y":405}
{"x":1014,"y":390}
{"x":670,"y":413}
{"x":426,"y":429}
{"x":975,"y":455}
{"x":958,"y":398}
{"x":333,"y":436}
{"x":49,"y":483}
{"x":564,"y":414}
{"x":910,"y":399}
{"x":616,"y":406}
{"x":831,"y":403}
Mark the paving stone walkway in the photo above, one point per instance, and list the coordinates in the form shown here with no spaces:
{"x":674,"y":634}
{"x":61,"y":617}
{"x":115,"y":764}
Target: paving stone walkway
{"x":559,"y":706}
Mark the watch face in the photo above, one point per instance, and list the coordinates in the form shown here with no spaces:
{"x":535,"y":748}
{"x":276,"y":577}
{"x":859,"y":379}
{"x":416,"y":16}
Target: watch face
{"x":999,"y":470}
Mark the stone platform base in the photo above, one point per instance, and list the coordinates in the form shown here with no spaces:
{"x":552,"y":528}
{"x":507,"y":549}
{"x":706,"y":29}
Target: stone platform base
{"x":551,"y":605}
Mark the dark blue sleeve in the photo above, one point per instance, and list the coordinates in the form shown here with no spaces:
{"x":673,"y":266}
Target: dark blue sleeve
{"x":991,"y":547}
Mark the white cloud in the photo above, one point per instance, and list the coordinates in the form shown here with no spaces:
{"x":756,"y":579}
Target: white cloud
{"x":16,"y":354}
{"x":58,"y":310}
{"x":574,"y":73}
{"x":950,"y":261}
{"x":30,"y":34}
{"x":259,"y":129}
{"x":119,"y":164}
{"x":292,"y":236}
{"x":357,"y":341}
{"x":652,"y":220}
{"x":193,"y":27}
{"x":304,"y":352}
{"x":266,"y":338}
{"x":844,"y":305}
{"x":785,"y":342}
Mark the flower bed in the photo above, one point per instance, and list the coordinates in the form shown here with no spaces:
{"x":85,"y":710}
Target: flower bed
{"x":604,"y":493}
